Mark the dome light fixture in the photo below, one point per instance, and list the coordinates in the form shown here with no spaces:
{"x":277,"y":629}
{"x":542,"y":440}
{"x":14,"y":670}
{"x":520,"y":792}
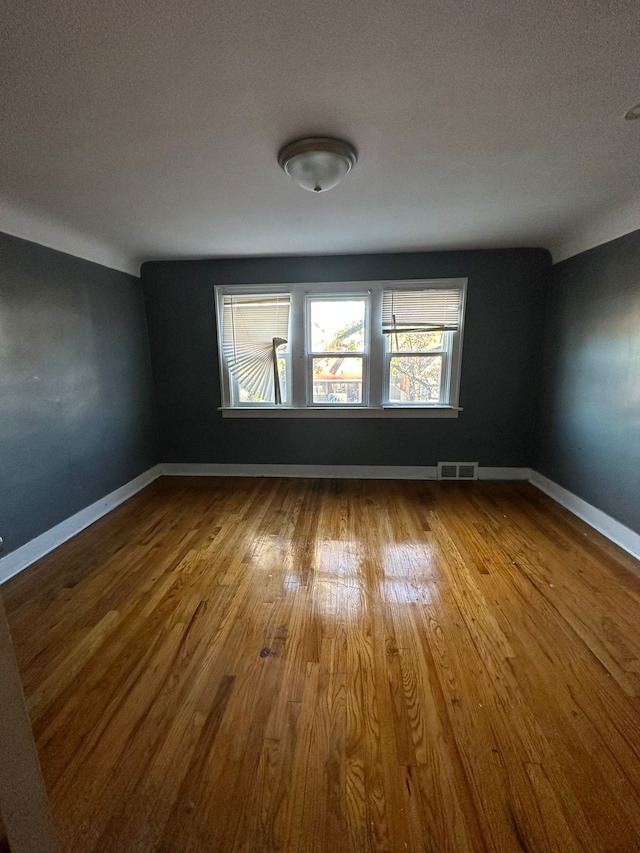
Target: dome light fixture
{"x":317,"y":163}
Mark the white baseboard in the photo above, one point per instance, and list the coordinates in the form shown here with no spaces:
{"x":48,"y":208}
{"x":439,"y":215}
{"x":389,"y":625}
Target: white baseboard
{"x":27,"y":554}
{"x":503,"y":473}
{"x":24,"y":556}
{"x":364,"y":472}
{"x":620,"y":535}
{"x":600,"y":521}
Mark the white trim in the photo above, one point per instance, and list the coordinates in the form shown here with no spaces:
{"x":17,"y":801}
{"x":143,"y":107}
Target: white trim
{"x":352,"y":472}
{"x":615,"y":531}
{"x":620,"y":535}
{"x":364,"y":355}
{"x":24,"y":556}
{"x":374,"y":356}
{"x":27,"y":554}
{"x":40,"y":229}
{"x":342,"y":412}
{"x":503,"y":473}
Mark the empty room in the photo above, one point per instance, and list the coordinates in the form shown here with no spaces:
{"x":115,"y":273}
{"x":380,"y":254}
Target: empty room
{"x":320,"y":427}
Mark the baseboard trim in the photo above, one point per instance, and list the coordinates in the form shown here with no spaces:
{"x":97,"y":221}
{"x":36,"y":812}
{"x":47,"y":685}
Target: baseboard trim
{"x":28,"y":553}
{"x":503,"y":473}
{"x":348,"y":472}
{"x":365,"y":472}
{"x":618,"y":533}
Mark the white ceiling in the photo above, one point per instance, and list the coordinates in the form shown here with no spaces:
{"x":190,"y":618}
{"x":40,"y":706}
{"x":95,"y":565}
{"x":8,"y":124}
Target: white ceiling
{"x":135,"y":130}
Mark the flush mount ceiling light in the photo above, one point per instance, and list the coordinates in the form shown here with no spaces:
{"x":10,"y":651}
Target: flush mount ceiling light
{"x":633,"y":113}
{"x":317,"y":163}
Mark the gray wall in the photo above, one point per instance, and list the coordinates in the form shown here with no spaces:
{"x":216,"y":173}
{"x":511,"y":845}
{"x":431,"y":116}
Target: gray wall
{"x":589,"y":414}
{"x":76,"y":398}
{"x":505,"y":300}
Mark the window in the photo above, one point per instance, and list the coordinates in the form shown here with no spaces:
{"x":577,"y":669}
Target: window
{"x":337,"y":349}
{"x":368,"y":349}
{"x":419,"y":327}
{"x":255,"y":336}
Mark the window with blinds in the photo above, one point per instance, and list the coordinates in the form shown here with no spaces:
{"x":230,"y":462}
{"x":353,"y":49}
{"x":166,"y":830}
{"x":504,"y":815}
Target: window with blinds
{"x":420,"y":327}
{"x":436,"y":309}
{"x":348,"y":349}
{"x":255,"y":333}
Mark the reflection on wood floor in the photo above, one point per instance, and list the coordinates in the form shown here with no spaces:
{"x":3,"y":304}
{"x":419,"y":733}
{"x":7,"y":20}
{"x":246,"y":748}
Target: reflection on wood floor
{"x":327,"y":665}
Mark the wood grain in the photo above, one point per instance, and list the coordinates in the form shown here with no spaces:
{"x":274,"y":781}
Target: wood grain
{"x":267,"y":665}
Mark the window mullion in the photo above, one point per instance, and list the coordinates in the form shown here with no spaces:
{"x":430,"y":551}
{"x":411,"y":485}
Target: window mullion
{"x":297,"y":347}
{"x":446,"y":376}
{"x":376,"y":350}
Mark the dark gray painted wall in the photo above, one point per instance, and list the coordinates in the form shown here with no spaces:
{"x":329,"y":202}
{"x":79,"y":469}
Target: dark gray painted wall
{"x":589,"y":435}
{"x":76,"y":398}
{"x":505,"y":300}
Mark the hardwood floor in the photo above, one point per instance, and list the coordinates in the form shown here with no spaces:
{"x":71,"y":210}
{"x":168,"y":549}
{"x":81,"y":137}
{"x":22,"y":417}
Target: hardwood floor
{"x":268,"y":665}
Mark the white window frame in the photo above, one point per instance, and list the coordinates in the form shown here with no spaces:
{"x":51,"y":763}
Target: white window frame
{"x":377,"y":354}
{"x":310,"y":354}
{"x":445,"y":377}
{"x":229,"y":386}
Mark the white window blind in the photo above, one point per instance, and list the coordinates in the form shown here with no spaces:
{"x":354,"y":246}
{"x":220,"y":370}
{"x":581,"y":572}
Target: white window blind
{"x":438,"y":309}
{"x":253,"y":327}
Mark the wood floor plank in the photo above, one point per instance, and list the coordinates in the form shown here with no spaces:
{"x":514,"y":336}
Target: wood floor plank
{"x":282,"y":665}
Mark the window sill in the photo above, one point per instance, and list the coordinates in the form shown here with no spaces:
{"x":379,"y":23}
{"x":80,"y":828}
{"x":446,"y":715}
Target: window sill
{"x":344,"y":412}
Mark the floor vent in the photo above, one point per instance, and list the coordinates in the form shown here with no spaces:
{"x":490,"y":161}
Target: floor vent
{"x":457,"y":470}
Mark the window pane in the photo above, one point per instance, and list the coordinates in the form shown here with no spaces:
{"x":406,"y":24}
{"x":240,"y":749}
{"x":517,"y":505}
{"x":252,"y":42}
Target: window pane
{"x":337,"y":380}
{"x":337,"y":325}
{"x":250,"y":325}
{"x":415,"y":379}
{"x":414,"y":341}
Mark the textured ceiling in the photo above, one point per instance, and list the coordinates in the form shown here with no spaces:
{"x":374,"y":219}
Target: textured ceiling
{"x":147,"y":129}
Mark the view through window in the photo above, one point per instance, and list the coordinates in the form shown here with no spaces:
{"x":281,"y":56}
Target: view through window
{"x":363,"y":345}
